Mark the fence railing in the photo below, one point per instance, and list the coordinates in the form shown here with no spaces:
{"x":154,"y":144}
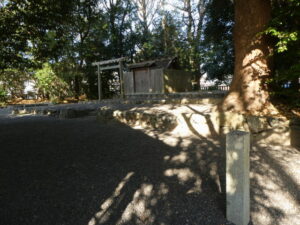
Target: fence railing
{"x":213,"y":88}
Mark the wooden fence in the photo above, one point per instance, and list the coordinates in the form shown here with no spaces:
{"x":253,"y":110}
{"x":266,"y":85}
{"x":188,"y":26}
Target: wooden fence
{"x":213,"y":88}
{"x":143,"y":81}
{"x":157,"y":81}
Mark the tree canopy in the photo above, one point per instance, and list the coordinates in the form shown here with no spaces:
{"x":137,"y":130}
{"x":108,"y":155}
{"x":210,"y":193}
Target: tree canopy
{"x":63,"y":38}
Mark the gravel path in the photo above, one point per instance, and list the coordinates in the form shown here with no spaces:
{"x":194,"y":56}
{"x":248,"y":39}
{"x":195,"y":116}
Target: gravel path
{"x":78,"y":171}
{"x":69,"y":172}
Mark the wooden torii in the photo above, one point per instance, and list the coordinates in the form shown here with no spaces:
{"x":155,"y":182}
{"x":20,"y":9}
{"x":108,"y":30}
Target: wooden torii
{"x":101,"y":67}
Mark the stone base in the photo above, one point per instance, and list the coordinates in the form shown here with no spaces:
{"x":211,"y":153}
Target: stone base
{"x":295,"y":136}
{"x":66,"y":113}
{"x":158,"y":121}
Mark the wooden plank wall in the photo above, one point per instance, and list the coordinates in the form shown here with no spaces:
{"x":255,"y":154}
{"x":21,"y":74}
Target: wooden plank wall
{"x":156,"y":81}
{"x":177,"y":81}
{"x":143,"y":81}
{"x":128,"y":83}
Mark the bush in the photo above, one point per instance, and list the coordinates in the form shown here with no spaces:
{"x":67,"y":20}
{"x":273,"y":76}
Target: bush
{"x":50,"y":85}
{"x":3,"y":95}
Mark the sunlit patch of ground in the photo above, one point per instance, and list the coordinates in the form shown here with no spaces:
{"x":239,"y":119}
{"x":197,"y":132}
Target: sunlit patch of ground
{"x":275,"y":168}
{"x":275,"y":184}
{"x":84,"y":172}
{"x":56,"y":171}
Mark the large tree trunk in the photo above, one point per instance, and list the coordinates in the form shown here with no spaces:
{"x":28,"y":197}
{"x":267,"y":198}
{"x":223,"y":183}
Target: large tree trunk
{"x":248,"y":92}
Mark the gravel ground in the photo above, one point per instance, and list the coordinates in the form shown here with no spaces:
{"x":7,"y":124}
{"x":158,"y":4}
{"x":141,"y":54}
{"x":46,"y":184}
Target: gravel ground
{"x":275,"y":185}
{"x":78,"y":171}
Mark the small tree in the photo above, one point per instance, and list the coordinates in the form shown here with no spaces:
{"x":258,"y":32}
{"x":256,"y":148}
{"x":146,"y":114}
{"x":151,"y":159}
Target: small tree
{"x":50,"y":86}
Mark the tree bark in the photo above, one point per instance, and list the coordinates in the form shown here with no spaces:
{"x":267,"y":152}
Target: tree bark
{"x":248,"y":91}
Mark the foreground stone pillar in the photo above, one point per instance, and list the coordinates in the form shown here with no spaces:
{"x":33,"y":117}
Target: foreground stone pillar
{"x":237,"y":177}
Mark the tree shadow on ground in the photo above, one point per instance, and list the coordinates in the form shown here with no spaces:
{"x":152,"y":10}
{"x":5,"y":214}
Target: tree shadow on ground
{"x":270,"y":180}
{"x":274,"y":190}
{"x":82,"y":172}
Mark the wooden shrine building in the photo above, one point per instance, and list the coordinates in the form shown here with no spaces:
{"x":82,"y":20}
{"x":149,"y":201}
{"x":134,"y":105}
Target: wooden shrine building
{"x":156,"y":76}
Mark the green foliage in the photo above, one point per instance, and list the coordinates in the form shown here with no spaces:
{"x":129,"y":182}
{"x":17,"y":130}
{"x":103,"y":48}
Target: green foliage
{"x":3,"y":94}
{"x":284,"y":38}
{"x":285,"y":30}
{"x":49,"y":84}
{"x":13,"y":81}
{"x":218,"y":50}
{"x":165,"y":41}
{"x":285,"y":26}
{"x":31,"y":28}
{"x":65,"y":37}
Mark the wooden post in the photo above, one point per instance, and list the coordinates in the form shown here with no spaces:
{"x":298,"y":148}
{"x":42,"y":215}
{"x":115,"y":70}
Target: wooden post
{"x":121,"y":79}
{"x":237,"y":177}
{"x":163,"y":80}
{"x":133,"y":78}
{"x":99,"y":84}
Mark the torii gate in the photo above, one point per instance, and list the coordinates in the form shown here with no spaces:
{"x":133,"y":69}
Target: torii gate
{"x":119,"y":65}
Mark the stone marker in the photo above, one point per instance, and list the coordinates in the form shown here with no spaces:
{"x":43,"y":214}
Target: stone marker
{"x":237,"y":177}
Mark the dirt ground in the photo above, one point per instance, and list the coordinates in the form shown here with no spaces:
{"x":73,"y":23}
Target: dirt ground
{"x":79,"y":171}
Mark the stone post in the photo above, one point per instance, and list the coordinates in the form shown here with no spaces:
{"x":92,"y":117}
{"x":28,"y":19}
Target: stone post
{"x":237,"y":177}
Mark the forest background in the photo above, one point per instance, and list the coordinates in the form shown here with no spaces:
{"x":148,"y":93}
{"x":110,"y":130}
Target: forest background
{"x":54,"y":43}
